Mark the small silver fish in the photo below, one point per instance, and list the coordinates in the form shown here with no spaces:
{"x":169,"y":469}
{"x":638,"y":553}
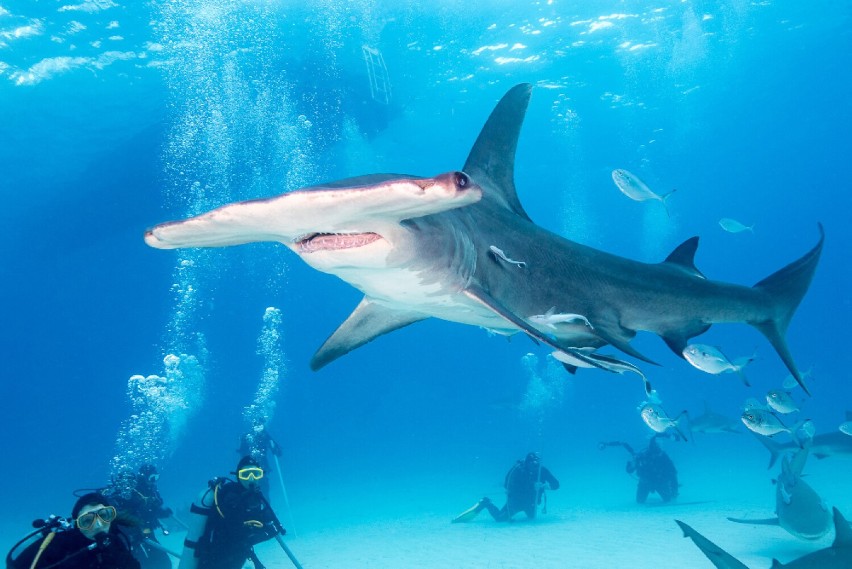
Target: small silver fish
{"x":658,"y":420}
{"x":734,"y":226}
{"x":763,"y":422}
{"x":790,"y":381}
{"x":499,"y":252}
{"x":550,"y":319}
{"x":635,"y":189}
{"x":781,"y":401}
{"x":846,"y":428}
{"x":710,"y":359}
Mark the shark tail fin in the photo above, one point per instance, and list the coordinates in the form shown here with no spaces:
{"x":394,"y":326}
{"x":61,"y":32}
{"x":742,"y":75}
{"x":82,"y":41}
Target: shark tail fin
{"x":786,"y":288}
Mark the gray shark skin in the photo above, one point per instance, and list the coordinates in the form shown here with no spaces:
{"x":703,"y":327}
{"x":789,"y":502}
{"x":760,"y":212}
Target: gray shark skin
{"x":713,"y":423}
{"x":838,"y":556}
{"x":798,"y":507}
{"x":822,"y":446}
{"x":428,"y":247}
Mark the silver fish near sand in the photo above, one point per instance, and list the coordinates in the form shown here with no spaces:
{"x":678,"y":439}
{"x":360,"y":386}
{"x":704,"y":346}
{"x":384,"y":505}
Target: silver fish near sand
{"x":420,"y":248}
{"x":635,"y":189}
{"x":734,"y":226}
{"x":710,"y":359}
{"x":838,"y":556}
{"x":781,"y":401}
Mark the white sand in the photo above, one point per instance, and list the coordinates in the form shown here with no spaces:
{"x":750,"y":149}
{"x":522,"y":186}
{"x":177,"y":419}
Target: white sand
{"x":592,"y":520}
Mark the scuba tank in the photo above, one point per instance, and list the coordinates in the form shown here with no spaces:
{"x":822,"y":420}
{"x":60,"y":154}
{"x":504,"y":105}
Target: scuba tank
{"x":199,"y":512}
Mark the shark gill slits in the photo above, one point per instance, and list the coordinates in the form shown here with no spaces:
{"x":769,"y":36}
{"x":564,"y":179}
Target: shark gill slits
{"x":462,"y":180}
{"x":336,"y":241}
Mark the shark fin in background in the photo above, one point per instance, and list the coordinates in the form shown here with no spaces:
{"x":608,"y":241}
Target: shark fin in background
{"x":720,"y":558}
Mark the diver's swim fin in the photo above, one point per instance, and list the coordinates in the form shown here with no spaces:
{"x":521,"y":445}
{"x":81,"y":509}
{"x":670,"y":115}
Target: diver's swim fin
{"x":469,"y":514}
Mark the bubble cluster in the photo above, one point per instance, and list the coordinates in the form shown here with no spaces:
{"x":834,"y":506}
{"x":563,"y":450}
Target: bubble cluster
{"x":545,"y":390}
{"x":161,"y":405}
{"x":260,"y":411}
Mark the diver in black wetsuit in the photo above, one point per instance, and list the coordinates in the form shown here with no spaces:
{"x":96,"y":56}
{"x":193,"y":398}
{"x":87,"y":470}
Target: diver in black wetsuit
{"x":654,"y":469}
{"x":525,"y":485}
{"x":238,"y":518}
{"x":89,"y":540}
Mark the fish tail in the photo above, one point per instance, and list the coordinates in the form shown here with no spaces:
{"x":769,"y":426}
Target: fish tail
{"x":785,"y":289}
{"x":664,"y":200}
{"x":682,"y":425}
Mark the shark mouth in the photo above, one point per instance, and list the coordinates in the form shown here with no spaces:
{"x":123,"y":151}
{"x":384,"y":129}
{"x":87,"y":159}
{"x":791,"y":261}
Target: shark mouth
{"x":335,"y":241}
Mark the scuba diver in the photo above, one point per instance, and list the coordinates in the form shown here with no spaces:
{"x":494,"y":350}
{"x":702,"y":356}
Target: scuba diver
{"x":654,"y":469}
{"x":525,"y":485}
{"x":88,"y":540}
{"x":141,"y":507}
{"x":259,"y":444}
{"x":228,"y":520}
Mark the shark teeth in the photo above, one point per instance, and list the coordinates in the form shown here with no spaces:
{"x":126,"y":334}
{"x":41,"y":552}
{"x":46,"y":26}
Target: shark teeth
{"x":335,"y":241}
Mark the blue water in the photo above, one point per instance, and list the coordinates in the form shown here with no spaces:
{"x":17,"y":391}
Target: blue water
{"x":115,"y":117}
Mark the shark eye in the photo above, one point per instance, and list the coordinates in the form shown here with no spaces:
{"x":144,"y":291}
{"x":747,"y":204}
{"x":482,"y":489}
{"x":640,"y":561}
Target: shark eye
{"x":462,"y":180}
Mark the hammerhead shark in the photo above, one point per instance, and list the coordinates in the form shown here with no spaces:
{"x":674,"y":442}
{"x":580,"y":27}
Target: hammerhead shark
{"x":838,"y":556}
{"x":798,"y":508}
{"x":460,"y":247}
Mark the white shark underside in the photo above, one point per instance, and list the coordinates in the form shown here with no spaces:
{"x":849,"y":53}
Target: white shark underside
{"x":460,"y":247}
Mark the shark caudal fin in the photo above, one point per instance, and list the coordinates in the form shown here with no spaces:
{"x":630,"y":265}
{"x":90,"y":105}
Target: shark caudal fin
{"x":491,"y":162}
{"x":786,"y":288}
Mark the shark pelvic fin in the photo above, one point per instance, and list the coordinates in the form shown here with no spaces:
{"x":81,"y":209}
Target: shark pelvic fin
{"x":613,"y":333}
{"x":491,"y":161}
{"x":367,"y":322}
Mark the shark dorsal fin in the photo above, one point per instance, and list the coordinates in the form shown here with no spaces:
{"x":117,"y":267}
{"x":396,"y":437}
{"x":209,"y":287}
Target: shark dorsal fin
{"x":684,"y":256}
{"x":842,"y":531}
{"x":491,"y":162}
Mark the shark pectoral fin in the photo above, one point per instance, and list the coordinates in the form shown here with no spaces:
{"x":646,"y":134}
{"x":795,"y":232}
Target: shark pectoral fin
{"x":367,"y":322}
{"x":619,"y":337}
{"x":479,"y":295}
{"x":760,"y":522}
{"x":720,"y":558}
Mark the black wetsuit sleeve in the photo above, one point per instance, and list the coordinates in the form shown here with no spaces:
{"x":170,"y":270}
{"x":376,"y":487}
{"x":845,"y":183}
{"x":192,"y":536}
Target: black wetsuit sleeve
{"x":551,"y":480}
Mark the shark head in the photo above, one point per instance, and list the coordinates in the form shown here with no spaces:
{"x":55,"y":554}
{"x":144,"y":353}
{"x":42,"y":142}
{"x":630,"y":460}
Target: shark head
{"x":333,"y":227}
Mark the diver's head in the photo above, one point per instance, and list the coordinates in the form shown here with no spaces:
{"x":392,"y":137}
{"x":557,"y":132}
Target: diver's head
{"x":249,"y":472}
{"x":532,"y":460}
{"x":148,"y":474}
{"x":93,"y":515}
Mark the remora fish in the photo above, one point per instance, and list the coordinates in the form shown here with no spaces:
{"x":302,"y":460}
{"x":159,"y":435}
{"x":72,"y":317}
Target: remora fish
{"x":635,"y":189}
{"x":838,"y":556}
{"x":420,"y":247}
